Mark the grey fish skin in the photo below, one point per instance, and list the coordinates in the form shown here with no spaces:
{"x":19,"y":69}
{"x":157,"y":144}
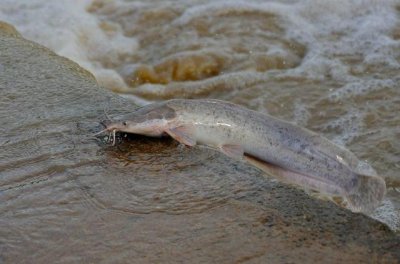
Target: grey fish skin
{"x":294,"y":154}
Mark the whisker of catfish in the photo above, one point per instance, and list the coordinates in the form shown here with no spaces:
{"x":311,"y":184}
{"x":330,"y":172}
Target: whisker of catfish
{"x":98,"y":133}
{"x":114,"y":136}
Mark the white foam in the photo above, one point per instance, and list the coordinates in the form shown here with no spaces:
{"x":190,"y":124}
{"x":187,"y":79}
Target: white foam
{"x":360,"y":87}
{"x":230,"y":82}
{"x":219,"y":8}
{"x":334,"y":29}
{"x":387,"y":214}
{"x":301,"y":113}
{"x":67,"y":28}
{"x":362,"y":28}
{"x":350,"y":125}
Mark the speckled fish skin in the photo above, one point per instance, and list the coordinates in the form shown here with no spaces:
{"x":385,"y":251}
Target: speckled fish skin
{"x":267,"y":138}
{"x":315,"y":161}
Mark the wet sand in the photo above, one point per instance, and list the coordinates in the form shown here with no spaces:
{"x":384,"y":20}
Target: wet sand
{"x":67,"y":197}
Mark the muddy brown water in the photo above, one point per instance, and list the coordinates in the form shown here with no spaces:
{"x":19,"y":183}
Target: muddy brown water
{"x":67,"y":197}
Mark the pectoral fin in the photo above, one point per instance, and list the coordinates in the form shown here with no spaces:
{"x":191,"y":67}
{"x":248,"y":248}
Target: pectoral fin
{"x":232,"y":150}
{"x":182,"y":134}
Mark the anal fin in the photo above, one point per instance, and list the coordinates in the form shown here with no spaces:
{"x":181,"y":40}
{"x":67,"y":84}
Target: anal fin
{"x":295,"y":178}
{"x":232,"y":150}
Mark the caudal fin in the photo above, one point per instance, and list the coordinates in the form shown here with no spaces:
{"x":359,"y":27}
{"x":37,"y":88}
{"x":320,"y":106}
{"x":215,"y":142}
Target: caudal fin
{"x":368,"y":194}
{"x":364,"y":197}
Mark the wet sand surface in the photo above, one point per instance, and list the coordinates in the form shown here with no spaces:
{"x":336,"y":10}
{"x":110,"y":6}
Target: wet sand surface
{"x":68,"y":197}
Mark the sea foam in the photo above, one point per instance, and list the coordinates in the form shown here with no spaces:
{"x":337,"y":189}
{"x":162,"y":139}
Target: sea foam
{"x":331,"y":31}
{"x":68,"y":29}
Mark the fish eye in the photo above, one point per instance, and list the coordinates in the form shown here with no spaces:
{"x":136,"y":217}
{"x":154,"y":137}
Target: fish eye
{"x":124,"y":123}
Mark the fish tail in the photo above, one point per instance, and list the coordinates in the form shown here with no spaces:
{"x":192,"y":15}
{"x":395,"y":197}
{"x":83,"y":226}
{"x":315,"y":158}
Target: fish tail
{"x":367,"y":195}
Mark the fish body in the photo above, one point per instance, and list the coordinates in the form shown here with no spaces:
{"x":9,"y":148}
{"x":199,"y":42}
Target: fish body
{"x":291,"y":153}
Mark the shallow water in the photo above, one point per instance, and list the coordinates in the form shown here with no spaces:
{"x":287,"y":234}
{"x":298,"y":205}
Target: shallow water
{"x":331,"y":67}
{"x":66,"y":196}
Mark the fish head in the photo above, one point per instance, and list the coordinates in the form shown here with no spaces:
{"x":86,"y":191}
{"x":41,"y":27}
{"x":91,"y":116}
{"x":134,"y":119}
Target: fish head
{"x":150,"y":120}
